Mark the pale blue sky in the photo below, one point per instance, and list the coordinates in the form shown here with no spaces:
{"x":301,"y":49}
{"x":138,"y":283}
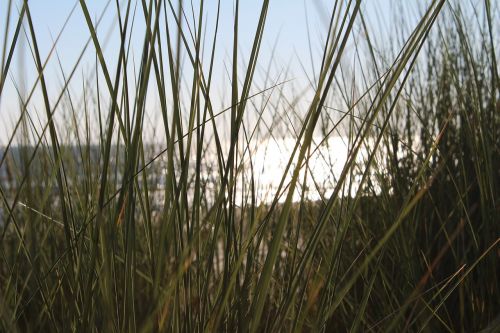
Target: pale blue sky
{"x":286,"y":25}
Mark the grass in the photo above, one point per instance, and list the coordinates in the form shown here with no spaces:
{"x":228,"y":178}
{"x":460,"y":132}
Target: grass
{"x":104,"y":229}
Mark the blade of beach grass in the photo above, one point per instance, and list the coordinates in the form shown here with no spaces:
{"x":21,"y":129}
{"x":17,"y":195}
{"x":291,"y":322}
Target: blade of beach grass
{"x":308,"y":129}
{"x":66,"y":210}
{"x":113,"y":91}
{"x":456,"y":284}
{"x":5,"y":38}
{"x":6,"y":62}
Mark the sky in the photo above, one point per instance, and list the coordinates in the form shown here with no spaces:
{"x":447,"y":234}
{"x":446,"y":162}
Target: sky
{"x":294,"y":35}
{"x":290,"y":25}
{"x":286,"y":18}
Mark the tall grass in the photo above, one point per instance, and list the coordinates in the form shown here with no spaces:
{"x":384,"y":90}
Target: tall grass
{"x":110,"y":224}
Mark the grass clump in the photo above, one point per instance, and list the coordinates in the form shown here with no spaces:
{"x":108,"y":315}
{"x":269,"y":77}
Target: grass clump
{"x":115,"y":219}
